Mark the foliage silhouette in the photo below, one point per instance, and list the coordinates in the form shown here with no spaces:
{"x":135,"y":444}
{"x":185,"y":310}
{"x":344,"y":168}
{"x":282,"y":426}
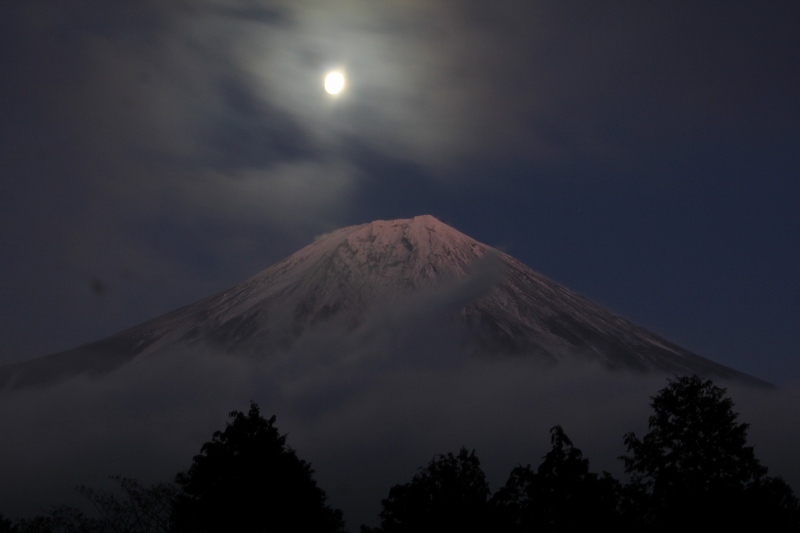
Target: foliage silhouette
{"x":562,"y":495}
{"x":137,"y":509}
{"x":694,"y":465}
{"x":247,"y":479}
{"x":692,"y":469}
{"x":450,"y":494}
{"x":133,"y":509}
{"x":59,"y":520}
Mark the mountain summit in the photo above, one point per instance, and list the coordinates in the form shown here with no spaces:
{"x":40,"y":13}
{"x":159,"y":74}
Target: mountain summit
{"x":420,"y":267}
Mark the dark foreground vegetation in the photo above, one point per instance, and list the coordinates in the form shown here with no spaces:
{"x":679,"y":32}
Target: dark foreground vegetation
{"x":692,"y":470}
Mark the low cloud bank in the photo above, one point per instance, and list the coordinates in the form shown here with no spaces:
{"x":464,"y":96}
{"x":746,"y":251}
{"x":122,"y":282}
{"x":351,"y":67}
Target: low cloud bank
{"x":365,"y":421}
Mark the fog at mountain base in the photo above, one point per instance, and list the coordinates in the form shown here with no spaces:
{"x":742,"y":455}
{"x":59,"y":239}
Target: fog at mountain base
{"x":366,"y":419}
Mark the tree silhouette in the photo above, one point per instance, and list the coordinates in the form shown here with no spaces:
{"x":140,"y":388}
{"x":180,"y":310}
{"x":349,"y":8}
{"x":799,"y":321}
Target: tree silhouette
{"x":450,"y":494}
{"x":694,"y":465}
{"x":134,"y":509}
{"x":562,"y":495}
{"x":59,"y":520}
{"x":247,"y":479}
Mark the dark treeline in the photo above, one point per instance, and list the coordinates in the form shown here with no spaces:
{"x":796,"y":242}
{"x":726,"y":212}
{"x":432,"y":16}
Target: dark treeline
{"x":693,"y":470}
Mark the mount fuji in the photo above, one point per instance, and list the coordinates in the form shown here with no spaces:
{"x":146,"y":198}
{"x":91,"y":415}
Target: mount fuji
{"x":408,"y":281}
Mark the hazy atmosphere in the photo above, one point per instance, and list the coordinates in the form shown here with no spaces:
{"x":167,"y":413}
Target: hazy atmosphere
{"x":153,"y":153}
{"x":364,"y":422}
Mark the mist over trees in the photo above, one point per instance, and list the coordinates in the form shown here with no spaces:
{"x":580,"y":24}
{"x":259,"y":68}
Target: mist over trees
{"x":693,"y":468}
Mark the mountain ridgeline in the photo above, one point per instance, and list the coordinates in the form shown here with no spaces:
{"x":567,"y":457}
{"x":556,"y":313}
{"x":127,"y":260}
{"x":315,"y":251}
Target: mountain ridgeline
{"x":497,"y":306}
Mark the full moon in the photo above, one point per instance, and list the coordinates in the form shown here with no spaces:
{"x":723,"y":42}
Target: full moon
{"x":334,"y":82}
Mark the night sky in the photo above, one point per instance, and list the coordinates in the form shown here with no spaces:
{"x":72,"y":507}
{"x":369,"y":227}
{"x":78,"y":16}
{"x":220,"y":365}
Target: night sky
{"x":644,"y":154}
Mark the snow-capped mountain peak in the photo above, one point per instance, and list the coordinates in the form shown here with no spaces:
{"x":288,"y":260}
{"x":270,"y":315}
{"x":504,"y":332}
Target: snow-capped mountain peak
{"x":343,"y":279}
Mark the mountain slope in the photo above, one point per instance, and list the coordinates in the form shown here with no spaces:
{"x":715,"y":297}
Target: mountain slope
{"x":344,"y":279}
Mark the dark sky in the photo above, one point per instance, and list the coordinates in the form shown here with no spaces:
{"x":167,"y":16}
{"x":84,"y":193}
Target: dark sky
{"x":645,"y":154}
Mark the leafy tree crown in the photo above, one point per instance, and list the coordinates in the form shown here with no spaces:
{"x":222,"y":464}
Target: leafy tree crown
{"x":694,"y":442}
{"x":247,"y":479}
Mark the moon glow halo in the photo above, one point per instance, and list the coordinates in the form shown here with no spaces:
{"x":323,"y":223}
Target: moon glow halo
{"x":334,"y":82}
